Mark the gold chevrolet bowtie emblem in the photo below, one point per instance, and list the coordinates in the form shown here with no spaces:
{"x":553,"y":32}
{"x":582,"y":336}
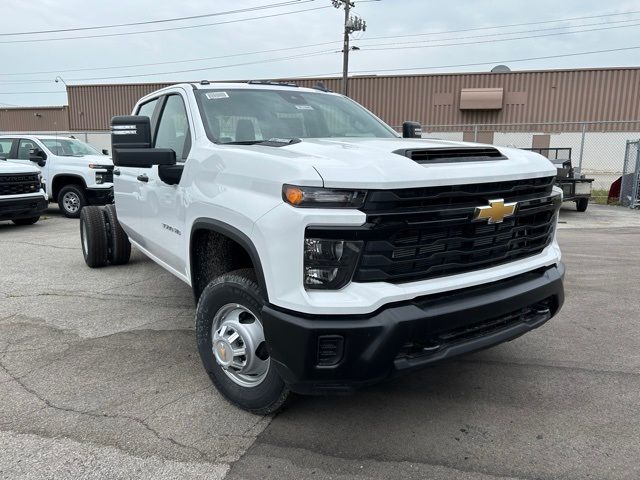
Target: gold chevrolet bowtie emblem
{"x":496,"y":211}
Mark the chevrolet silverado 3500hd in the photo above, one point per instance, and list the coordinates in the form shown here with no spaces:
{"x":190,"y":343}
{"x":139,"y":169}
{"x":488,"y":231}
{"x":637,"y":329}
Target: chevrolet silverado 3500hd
{"x":324,"y":251}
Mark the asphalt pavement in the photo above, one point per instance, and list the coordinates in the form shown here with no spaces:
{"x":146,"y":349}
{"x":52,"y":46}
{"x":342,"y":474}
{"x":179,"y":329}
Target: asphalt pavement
{"x":100,"y":378}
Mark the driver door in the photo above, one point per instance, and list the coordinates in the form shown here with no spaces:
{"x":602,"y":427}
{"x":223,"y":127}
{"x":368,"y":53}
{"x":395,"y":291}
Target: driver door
{"x":163,"y":204}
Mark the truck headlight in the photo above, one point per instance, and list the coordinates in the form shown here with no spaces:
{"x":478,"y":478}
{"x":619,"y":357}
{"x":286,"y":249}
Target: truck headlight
{"x":329,"y":263}
{"x":100,"y":177}
{"x":319,"y":197}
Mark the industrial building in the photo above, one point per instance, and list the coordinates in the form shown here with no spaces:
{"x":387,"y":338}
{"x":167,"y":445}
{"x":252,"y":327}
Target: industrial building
{"x":522,"y":97}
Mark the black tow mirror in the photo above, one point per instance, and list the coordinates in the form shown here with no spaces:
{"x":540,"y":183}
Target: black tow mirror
{"x":411,"y":130}
{"x":37,"y":156}
{"x":131,"y":143}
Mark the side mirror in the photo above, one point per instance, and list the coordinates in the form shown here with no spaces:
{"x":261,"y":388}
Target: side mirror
{"x":131,"y":144}
{"x":37,"y":156}
{"x":411,"y":130}
{"x":105,"y":151}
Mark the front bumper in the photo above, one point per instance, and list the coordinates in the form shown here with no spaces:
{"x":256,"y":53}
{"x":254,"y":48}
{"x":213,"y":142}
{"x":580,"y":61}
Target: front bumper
{"x":100,"y":196}
{"x":408,"y":335}
{"x":26,"y":207}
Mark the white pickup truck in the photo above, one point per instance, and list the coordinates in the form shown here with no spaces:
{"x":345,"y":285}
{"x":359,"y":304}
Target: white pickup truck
{"x":75,"y":174}
{"x":22,"y":198}
{"x":326,"y":252}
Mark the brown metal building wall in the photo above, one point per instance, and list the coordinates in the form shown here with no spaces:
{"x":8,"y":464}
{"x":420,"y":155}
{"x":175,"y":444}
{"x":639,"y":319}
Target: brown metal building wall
{"x":92,"y":106}
{"x":34,"y":119}
{"x":529,"y":97}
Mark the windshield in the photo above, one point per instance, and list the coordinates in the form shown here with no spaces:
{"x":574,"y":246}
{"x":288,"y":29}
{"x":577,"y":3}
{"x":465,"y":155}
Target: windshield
{"x":68,"y":147}
{"x":252,"y":116}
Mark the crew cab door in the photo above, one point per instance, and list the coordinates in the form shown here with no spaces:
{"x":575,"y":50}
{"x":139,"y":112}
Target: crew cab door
{"x":22,"y":153}
{"x":163,"y":203}
{"x":128,"y":189}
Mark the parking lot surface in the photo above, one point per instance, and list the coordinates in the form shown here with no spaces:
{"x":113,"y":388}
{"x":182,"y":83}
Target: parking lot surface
{"x":100,"y":378}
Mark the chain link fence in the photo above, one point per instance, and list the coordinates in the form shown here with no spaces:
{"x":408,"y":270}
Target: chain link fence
{"x":630,"y":183}
{"x":597,"y":149}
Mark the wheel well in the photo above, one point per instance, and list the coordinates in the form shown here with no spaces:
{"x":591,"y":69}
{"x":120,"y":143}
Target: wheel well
{"x":212,"y":254}
{"x":60,"y":181}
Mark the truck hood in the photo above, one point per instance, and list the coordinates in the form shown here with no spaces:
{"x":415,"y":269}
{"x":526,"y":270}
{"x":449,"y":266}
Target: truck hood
{"x":371,"y":163}
{"x":7,"y":167}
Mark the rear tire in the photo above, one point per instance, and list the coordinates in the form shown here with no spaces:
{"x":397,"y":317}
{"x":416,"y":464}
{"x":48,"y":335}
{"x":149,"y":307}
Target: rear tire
{"x":119,"y":245}
{"x":71,"y":200}
{"x":256,"y":386}
{"x":582,"y":204}
{"x":93,"y":236}
{"x":26,"y":221}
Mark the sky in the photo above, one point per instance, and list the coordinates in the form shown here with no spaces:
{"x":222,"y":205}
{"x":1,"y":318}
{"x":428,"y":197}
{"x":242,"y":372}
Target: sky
{"x":420,"y":36}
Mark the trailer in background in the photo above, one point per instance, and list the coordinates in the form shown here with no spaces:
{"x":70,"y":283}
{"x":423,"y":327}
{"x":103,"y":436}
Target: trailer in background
{"x":575,"y":187}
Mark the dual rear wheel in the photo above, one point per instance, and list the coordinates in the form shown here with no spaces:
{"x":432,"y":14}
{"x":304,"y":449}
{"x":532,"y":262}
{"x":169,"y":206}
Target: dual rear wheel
{"x":103,"y":240}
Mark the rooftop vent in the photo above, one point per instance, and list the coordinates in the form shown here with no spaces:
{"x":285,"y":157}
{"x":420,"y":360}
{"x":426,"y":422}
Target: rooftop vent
{"x":452,"y":154}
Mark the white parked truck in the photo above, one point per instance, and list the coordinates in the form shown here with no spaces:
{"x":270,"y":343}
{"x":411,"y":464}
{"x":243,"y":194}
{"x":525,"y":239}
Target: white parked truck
{"x":22,"y":198}
{"x":325,"y":251}
{"x":75,"y":174}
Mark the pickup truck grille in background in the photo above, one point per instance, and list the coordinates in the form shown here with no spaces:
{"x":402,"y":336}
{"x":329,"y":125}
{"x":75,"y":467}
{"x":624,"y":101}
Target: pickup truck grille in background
{"x":108,"y":177}
{"x":19,"y":184}
{"x":416,"y":234}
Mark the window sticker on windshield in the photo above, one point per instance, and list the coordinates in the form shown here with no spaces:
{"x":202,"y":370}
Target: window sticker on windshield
{"x":217,"y":95}
{"x":304,"y":107}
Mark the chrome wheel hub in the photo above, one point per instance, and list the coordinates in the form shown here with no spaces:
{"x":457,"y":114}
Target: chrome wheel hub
{"x":71,"y":202}
{"x":238,"y":345}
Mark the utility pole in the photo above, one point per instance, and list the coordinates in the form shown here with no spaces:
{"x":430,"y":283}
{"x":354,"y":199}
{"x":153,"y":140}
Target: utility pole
{"x":351,"y":24}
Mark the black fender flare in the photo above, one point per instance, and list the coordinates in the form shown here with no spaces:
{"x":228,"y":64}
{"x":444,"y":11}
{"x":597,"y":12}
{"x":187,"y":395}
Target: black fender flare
{"x":238,"y":237}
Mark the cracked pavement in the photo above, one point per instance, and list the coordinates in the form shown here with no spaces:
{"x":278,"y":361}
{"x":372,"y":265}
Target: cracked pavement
{"x":100,"y":378}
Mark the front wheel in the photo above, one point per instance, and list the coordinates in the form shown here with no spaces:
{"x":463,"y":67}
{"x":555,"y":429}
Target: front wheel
{"x":26,"y":221}
{"x":71,"y":200}
{"x":232,"y":345}
{"x":582,"y":204}
{"x":93,"y":237}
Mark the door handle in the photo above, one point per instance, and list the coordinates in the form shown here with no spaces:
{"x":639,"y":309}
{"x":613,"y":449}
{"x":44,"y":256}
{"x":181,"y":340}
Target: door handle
{"x":116,"y":171}
{"x":143,"y":178}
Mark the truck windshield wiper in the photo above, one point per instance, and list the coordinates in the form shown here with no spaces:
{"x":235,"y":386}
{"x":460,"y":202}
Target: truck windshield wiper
{"x":272,"y":142}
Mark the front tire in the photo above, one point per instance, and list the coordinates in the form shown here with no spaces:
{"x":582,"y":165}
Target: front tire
{"x":231,"y":343}
{"x":71,"y":200}
{"x":582,"y":204}
{"x":26,"y":221}
{"x":93,"y":236}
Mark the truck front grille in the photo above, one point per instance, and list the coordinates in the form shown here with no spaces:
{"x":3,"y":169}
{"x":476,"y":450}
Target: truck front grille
{"x":19,"y":184}
{"x":417,"y":234}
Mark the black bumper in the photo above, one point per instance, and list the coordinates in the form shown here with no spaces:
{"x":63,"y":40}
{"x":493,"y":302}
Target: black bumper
{"x":100,"y":196}
{"x":15,"y":208}
{"x":407,"y":335}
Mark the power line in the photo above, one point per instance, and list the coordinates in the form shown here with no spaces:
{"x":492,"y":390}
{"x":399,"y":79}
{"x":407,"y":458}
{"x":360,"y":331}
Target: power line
{"x":383,"y":46}
{"x":268,"y":60}
{"x":501,"y":34}
{"x":184,"y":27}
{"x":494,"y":40}
{"x":542,"y":22}
{"x":326,"y":43}
{"x":477,"y":64}
{"x":175,"y":19}
{"x":165,"y":63}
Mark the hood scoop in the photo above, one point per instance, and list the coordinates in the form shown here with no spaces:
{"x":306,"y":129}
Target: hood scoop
{"x":451,"y":154}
